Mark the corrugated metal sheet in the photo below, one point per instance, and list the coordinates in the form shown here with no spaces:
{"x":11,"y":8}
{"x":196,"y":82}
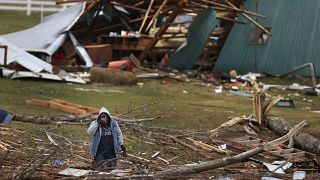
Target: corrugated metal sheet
{"x":23,"y":58}
{"x":49,"y":35}
{"x":295,"y":27}
{"x":198,"y":34}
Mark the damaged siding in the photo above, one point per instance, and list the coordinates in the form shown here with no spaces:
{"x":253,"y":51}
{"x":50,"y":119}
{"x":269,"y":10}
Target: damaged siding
{"x":295,"y":40}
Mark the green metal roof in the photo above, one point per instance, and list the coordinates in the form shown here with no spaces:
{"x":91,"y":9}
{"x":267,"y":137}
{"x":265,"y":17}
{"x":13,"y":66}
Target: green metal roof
{"x":198,"y":34}
{"x":295,"y":40}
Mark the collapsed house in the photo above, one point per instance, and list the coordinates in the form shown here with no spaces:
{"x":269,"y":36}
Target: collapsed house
{"x":96,"y":32}
{"x":32,"y":49}
{"x":174,"y":34}
{"x":248,"y":49}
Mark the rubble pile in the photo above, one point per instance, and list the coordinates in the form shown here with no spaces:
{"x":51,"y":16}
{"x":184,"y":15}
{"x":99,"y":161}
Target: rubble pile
{"x":227,"y":151}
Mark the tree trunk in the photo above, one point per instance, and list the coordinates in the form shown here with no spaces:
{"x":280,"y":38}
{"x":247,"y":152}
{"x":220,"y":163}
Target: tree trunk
{"x":205,"y":166}
{"x":197,"y":168}
{"x":62,"y":119}
{"x":302,"y":141}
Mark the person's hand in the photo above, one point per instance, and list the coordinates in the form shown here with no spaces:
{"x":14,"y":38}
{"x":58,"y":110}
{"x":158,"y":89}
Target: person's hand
{"x":124,"y":151}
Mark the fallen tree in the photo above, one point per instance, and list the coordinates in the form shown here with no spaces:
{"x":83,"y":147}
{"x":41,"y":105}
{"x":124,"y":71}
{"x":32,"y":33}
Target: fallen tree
{"x":279,"y":125}
{"x":302,"y":141}
{"x":73,"y":119}
{"x":205,"y":166}
{"x":60,"y":119}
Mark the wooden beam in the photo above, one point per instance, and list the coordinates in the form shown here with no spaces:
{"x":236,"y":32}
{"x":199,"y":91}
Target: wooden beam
{"x":191,"y":147}
{"x":157,"y":14}
{"x":117,"y":25}
{"x":234,"y":8}
{"x":65,"y":108}
{"x":192,"y":5}
{"x":130,"y":7}
{"x":86,"y":108}
{"x":37,"y":102}
{"x":206,"y":146}
{"x":146,"y":15}
{"x":219,"y":17}
{"x":91,"y":5}
{"x":230,"y":19}
{"x":176,"y":10}
{"x":251,"y":20}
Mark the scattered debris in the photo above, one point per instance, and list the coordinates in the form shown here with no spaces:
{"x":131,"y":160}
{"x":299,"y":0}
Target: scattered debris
{"x":75,"y":172}
{"x":178,"y":143}
{"x":278,"y":166}
{"x":5,"y":117}
{"x":299,"y":175}
{"x":174,"y":27}
{"x":286,"y":103}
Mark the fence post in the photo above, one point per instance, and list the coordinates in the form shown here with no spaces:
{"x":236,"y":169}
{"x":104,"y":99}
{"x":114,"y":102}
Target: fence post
{"x":41,"y":16}
{"x":28,"y":7}
{"x":64,"y":7}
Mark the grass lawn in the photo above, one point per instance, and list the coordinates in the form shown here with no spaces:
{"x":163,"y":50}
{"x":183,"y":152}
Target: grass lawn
{"x":12,"y":21}
{"x":196,"y":109}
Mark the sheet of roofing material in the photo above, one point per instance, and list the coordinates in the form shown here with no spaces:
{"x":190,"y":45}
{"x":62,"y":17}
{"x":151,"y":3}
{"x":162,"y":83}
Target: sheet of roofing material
{"x":23,"y":58}
{"x":48,"y":35}
{"x":68,"y":77}
{"x":199,"y":32}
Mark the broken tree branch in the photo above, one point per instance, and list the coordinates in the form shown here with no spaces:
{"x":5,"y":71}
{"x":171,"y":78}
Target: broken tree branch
{"x":27,"y":172}
{"x":206,"y":146}
{"x":232,"y":122}
{"x":190,"y":147}
{"x":302,"y":141}
{"x":139,"y":107}
{"x":205,"y":166}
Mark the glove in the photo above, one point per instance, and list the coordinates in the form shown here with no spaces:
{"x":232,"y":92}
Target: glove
{"x":124,"y":151}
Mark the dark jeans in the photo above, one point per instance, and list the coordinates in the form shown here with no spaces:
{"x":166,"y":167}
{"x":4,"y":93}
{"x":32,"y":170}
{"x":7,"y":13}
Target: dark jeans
{"x":106,"y":158}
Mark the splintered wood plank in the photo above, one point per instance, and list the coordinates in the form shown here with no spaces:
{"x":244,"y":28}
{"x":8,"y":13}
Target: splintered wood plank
{"x":66,"y":103}
{"x":65,"y":108}
{"x":283,"y":151}
{"x":175,"y":11}
{"x":296,"y":155}
{"x":191,"y":147}
{"x":206,"y":146}
{"x":38,"y":102}
{"x":91,"y":110}
{"x":86,"y":108}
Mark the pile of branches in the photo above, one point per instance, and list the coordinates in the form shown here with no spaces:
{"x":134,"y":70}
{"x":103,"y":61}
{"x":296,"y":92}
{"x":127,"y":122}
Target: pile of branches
{"x":176,"y":153}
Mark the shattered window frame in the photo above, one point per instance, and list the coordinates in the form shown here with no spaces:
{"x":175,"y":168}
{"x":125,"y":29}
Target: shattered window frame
{"x":257,"y":36}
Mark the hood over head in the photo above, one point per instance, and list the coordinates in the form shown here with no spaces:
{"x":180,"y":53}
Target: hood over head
{"x":104,"y":110}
